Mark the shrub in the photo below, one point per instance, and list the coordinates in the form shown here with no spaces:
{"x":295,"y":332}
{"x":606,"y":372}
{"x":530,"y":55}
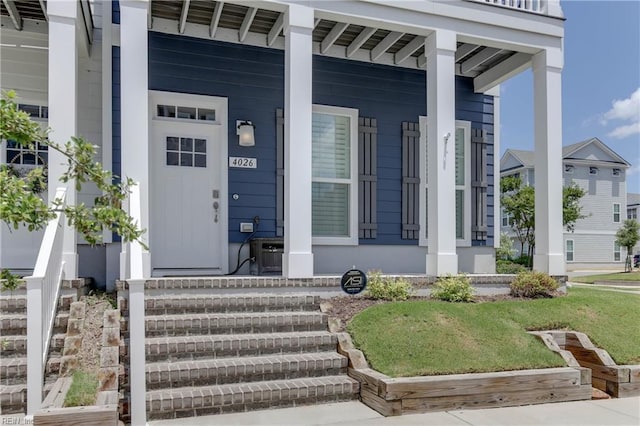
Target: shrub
{"x":509,"y":267}
{"x":523,"y":260}
{"x":453,"y":289}
{"x":387,"y":288}
{"x":534,"y":284}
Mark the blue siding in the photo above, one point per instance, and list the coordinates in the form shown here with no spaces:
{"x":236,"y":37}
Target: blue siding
{"x":116,"y":164}
{"x":115,"y":11}
{"x":252,"y":79}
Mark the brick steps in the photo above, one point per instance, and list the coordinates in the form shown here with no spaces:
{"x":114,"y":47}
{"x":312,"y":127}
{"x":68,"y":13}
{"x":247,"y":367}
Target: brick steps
{"x":13,"y":343}
{"x":213,"y":351}
{"x":245,"y":369}
{"x":234,"y":323}
{"x":194,"y":401}
{"x":237,"y":345}
{"x":16,"y":324}
{"x":246,"y":284}
{"x":13,"y":370}
{"x":207,"y":303}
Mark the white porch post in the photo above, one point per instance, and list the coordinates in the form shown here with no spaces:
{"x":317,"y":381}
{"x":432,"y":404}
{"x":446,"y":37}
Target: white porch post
{"x":63,"y":109}
{"x":134,"y":95}
{"x":297,"y":261}
{"x":547,"y":95}
{"x":440,"y":48}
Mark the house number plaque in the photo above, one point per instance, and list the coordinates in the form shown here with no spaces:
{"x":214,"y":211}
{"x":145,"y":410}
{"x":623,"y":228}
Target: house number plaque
{"x":353,"y":281}
{"x":243,"y":162}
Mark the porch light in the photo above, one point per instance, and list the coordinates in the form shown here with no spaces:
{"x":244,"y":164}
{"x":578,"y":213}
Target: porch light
{"x":244,"y":130}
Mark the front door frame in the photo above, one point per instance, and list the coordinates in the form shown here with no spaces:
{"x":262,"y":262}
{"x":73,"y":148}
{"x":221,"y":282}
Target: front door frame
{"x":221,"y":106}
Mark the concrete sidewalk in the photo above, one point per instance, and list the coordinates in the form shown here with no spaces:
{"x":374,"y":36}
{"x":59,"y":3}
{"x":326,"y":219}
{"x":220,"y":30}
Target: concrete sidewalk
{"x":612,"y":412}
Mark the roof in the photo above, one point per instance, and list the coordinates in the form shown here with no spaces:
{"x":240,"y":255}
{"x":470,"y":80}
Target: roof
{"x":527,"y":158}
{"x":633,"y":199}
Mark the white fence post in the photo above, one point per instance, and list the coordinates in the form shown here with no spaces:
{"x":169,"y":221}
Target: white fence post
{"x":137,"y":380}
{"x":35,"y":373}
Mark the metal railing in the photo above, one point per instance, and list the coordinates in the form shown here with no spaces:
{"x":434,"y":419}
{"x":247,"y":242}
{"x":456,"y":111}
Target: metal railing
{"x":43,"y":288}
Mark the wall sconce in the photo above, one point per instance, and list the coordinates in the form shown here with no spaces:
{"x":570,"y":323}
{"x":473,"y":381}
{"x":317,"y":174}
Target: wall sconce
{"x":446,"y":137}
{"x":244,"y":130}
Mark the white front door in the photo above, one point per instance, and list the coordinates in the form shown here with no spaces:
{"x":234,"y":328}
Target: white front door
{"x":188,"y":234}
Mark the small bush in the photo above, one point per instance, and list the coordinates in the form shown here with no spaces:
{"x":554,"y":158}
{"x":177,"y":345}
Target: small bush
{"x":453,"y":289}
{"x":523,"y":260}
{"x":509,"y":267}
{"x":386,"y":288}
{"x":534,"y":284}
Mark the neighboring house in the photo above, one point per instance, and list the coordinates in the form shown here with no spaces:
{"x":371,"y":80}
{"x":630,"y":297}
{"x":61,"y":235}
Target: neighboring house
{"x":601,"y":172}
{"x":633,"y":212}
{"x":341,"y":165}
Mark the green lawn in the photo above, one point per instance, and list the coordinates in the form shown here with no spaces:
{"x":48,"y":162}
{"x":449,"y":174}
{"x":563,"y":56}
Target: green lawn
{"x":618,"y":276}
{"x":430,"y":337}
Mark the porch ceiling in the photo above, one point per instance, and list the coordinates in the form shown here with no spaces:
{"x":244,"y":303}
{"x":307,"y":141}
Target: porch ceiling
{"x":356,"y":41}
{"x":19,"y":11}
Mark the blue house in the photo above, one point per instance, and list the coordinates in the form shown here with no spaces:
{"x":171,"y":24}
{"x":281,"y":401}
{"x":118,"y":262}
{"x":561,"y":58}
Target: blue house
{"x":309,"y":137}
{"x":357,"y":136}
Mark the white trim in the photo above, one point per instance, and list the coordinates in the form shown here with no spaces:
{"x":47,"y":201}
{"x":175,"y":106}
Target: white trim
{"x":220,"y":104}
{"x":466,"y":126}
{"x":352,"y":114}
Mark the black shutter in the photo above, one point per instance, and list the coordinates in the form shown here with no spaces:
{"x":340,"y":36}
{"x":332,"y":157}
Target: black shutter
{"x":367,"y":177}
{"x":410,"y":180}
{"x":279,"y":172}
{"x":479,"y":185}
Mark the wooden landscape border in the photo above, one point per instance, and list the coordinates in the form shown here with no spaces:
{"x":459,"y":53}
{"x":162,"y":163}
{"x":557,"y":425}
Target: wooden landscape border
{"x":577,"y":349}
{"x":409,"y":395}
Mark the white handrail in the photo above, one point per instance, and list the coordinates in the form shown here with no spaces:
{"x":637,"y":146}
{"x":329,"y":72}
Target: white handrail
{"x":544,"y":7}
{"x":43,"y":288}
{"x":137,"y":270}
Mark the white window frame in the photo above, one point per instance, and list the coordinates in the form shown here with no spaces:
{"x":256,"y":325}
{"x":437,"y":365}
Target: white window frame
{"x":617,"y":251}
{"x":505,"y":216}
{"x":460,"y":242}
{"x":352,"y":238}
{"x":566,"y":251}
{"x":616,"y":213}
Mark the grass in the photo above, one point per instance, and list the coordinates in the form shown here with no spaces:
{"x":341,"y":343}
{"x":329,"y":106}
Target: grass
{"x":83,"y":390}
{"x":429,"y":338}
{"x":618,"y":276}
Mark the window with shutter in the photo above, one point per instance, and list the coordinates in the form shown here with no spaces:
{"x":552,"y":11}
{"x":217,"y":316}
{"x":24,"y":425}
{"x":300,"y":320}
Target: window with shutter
{"x":334,"y":193}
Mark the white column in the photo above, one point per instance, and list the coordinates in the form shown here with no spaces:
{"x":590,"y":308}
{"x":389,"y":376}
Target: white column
{"x":547,"y":96}
{"x":440,"y":48}
{"x":297,"y":261}
{"x":497,"y":208}
{"x":134,"y":95}
{"x":63,"y":109}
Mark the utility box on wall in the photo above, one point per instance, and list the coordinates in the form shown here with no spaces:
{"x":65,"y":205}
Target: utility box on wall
{"x":267,"y":255}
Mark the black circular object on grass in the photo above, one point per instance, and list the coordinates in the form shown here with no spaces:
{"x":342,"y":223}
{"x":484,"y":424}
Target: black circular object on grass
{"x":353,"y":281}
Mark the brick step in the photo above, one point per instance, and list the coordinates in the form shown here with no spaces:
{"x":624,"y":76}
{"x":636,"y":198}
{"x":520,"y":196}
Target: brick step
{"x":17,"y":304}
{"x":13,"y":398}
{"x":239,"y":283}
{"x":218,"y":323}
{"x":13,"y":370}
{"x":16,"y":324}
{"x":77,"y":283}
{"x":246,"y":369}
{"x":237,"y":345}
{"x":14,"y":346}
{"x":206,"y":303}
{"x":196,"y":401}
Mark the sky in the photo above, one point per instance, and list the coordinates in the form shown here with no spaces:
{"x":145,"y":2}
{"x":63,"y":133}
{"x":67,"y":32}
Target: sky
{"x":600,"y":83}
